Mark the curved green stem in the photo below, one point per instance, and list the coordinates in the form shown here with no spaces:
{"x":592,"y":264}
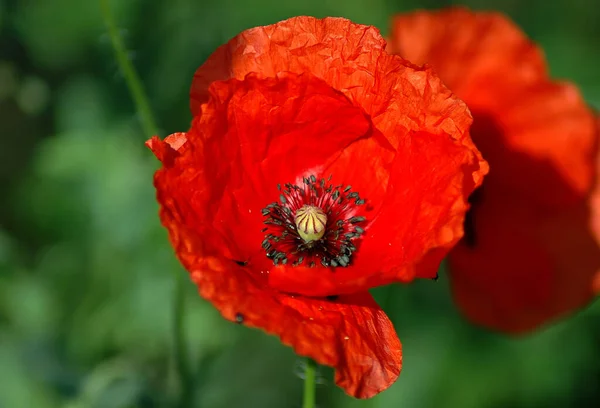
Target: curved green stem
{"x":310,"y":381}
{"x":142,"y":106}
{"x":131,"y":76}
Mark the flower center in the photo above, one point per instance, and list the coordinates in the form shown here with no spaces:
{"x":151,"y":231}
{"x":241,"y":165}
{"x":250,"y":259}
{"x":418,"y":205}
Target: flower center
{"x":310,"y":222}
{"x":313,"y":223}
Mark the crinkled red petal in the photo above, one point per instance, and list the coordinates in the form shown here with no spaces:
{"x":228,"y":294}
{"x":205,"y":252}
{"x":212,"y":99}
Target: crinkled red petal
{"x":351,"y":333}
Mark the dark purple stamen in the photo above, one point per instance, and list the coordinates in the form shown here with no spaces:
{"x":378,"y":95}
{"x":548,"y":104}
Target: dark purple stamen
{"x":284,"y":245}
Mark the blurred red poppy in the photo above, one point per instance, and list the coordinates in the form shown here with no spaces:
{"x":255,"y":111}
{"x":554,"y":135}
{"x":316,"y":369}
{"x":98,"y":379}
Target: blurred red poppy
{"x":528,"y":255}
{"x":317,"y":166}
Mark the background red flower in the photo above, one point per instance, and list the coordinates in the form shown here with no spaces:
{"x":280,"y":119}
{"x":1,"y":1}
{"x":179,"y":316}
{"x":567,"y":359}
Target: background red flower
{"x":528,"y":255}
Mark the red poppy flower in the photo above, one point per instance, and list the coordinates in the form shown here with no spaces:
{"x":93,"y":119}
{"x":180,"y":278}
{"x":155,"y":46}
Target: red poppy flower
{"x":528,"y":255}
{"x":317,"y":166}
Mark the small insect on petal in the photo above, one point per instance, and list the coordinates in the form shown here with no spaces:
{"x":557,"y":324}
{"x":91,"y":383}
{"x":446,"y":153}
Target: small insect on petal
{"x":239,"y":318}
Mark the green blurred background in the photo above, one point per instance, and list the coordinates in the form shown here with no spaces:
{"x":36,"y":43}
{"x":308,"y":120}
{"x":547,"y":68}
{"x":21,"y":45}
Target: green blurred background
{"x":86,"y":271}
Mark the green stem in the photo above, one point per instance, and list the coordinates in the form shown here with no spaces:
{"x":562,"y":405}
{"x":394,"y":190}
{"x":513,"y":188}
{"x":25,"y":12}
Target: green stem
{"x":310,"y":380}
{"x":182,"y":360}
{"x":142,"y":106}
{"x":132,"y":78}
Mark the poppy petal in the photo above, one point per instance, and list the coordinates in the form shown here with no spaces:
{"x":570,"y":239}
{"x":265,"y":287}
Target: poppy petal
{"x":472,"y":51}
{"x":166,"y":150}
{"x":351,"y":334}
{"x":336,"y":50}
{"x":491,"y":64}
{"x":521,"y":272}
{"x":550,"y":123}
